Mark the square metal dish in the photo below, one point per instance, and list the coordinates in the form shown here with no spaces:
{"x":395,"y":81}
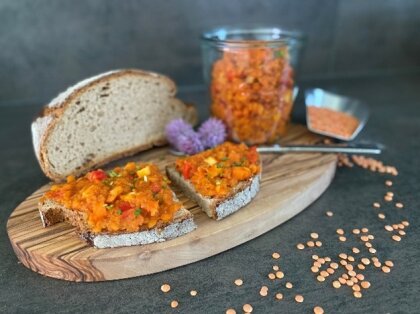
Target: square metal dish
{"x":323,"y":99}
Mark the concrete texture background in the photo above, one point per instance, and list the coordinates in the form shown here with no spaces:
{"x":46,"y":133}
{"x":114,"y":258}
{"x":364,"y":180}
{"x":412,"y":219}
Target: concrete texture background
{"x":47,"y":45}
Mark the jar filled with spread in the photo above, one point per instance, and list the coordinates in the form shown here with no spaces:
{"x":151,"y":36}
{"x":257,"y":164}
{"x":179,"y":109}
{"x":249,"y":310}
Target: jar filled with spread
{"x":251,"y":74}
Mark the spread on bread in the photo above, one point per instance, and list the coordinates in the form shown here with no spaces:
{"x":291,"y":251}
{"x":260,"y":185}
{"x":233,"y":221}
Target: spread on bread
{"x":216,"y":172}
{"x":125,"y":199}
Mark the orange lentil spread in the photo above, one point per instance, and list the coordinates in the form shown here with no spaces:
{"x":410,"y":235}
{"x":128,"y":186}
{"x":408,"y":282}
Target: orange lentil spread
{"x":215,"y":172}
{"x":252,"y":92}
{"x":332,"y":122}
{"x":127,"y":198}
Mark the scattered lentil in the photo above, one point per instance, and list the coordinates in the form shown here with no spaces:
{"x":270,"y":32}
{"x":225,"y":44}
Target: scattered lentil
{"x":372,"y":250}
{"x":275,"y":268}
{"x":386,"y":269}
{"x":264,"y":291}
{"x":396,"y":238}
{"x":388,"y":183}
{"x":279,"y":296}
{"x":342,"y":255}
{"x":230,"y":311}
{"x":365,"y":284}
{"x":365,"y":261}
{"x":365,"y":230}
{"x":399,"y":205}
{"x":334,"y":265}
{"x":376,"y":205}
{"x":271,"y":276}
{"x":174,"y":304}
{"x":275,"y":255}
{"x":320,"y":278}
{"x":279,"y":274}
{"x":318,"y":243}
{"x":318,"y":310}
{"x":165,"y":288}
{"x":247,"y":308}
{"x":329,"y":213}
{"x":289,"y":285}
{"x":381,"y":216}
{"x":300,"y":246}
{"x":389,"y":263}
{"x":342,"y":238}
{"x":238,"y":282}
{"x":314,"y":235}
{"x":361,"y":266}
{"x":299,"y":298}
{"x":340,"y":231}
{"x":193,"y":293}
{"x":356,"y":287}
{"x":357,"y":294}
{"x":388,"y":228}
{"x":336,"y":284}
{"x":315,"y":257}
{"x":356,"y":231}
{"x":310,"y":243}
{"x":355,"y":250}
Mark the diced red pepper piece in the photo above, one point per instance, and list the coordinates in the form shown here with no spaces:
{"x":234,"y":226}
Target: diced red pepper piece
{"x":96,"y":175}
{"x":124,"y":206}
{"x":186,"y":170}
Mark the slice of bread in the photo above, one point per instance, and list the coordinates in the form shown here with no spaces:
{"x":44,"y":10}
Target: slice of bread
{"x":218,"y":208}
{"x":52,"y":212}
{"x":103,"y":118}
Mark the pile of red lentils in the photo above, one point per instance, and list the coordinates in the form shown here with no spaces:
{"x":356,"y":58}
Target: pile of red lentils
{"x":346,"y":268}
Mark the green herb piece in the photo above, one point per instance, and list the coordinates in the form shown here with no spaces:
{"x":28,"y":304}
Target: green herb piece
{"x":279,"y":54}
{"x":237,"y":164}
{"x":224,"y":158}
{"x":119,"y":212}
{"x":108,"y":207}
{"x":137,"y":212}
{"x":220,"y":165}
{"x":113,"y":174}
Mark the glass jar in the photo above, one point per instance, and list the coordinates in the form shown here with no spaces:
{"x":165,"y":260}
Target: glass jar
{"x":251,"y":75}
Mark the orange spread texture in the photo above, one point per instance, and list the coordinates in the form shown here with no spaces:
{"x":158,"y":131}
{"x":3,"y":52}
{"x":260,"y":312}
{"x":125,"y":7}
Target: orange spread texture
{"x":252,"y":92}
{"x":216,"y":172}
{"x":332,"y":122}
{"x":126,"y":198}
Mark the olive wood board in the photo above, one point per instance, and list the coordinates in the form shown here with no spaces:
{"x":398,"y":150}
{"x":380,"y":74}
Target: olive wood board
{"x":290,"y":183}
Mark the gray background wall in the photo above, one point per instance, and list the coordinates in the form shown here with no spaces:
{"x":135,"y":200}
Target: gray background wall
{"x":46,"y":45}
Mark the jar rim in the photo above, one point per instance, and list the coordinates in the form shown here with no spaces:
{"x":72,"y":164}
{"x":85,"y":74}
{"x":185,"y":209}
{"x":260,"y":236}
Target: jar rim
{"x":271,"y":35}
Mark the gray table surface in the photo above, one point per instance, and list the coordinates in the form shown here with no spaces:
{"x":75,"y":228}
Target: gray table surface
{"x":395,"y":121}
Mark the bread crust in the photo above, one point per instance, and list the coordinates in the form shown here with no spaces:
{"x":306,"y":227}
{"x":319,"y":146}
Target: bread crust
{"x":218,"y":207}
{"x":43,"y":125}
{"x":52,"y":212}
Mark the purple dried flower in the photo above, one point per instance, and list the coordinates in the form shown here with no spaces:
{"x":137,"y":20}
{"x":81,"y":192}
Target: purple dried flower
{"x":212,"y":132}
{"x":189,"y":143}
{"x":175,"y":128}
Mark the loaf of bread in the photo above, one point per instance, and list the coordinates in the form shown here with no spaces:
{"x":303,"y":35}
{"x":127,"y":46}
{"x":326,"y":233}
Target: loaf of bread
{"x":103,"y":118}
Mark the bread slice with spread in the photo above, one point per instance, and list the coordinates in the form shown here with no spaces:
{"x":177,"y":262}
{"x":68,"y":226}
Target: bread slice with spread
{"x":130,"y":205}
{"x":103,"y":118}
{"x":221,"y":180}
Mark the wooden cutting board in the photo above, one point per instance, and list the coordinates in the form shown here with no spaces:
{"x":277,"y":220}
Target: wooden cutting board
{"x":289,"y":184}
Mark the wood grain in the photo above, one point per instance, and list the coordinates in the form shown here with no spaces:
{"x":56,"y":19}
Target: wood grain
{"x":289,"y":184}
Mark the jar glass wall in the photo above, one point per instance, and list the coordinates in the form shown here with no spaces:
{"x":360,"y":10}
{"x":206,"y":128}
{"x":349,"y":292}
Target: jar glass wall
{"x":251,"y":74}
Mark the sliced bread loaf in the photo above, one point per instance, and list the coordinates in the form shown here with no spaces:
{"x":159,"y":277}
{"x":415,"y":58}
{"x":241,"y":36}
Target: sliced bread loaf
{"x":106,"y":117}
{"x":52,"y":212}
{"x":216,"y":207}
